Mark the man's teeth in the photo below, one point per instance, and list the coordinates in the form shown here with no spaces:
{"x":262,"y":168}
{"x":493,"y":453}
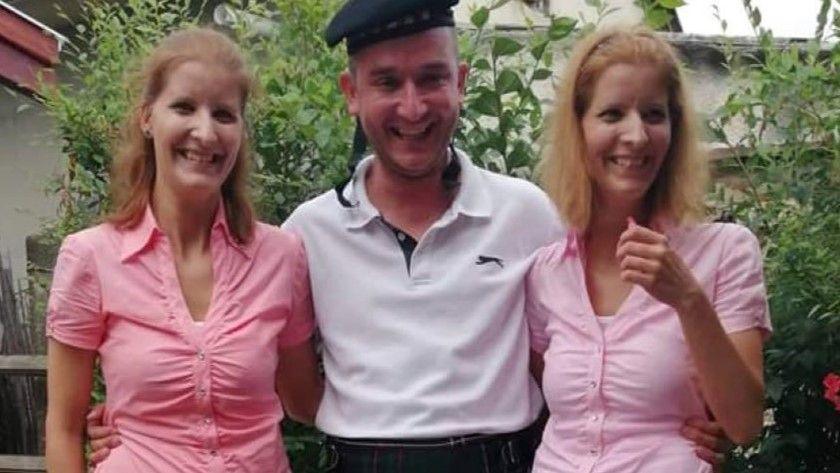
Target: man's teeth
{"x":412,"y":132}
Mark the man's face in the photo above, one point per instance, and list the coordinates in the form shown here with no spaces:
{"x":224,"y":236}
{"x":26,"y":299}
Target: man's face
{"x":408,"y":92}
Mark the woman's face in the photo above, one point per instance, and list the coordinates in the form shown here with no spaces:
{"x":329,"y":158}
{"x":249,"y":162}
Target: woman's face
{"x":197,"y":128}
{"x":627,"y":132}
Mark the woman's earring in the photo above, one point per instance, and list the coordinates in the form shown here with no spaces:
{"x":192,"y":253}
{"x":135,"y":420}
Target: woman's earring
{"x":147,"y":133}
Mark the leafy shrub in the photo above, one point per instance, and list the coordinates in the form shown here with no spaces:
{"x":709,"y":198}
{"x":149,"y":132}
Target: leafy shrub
{"x":788,"y":98}
{"x":503,"y":117}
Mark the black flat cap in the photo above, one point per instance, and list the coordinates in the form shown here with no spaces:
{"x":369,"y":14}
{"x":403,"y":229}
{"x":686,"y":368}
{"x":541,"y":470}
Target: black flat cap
{"x":365,"y":22}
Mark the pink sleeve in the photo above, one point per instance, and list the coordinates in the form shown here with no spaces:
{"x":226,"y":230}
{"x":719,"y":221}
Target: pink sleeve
{"x":534,"y":313}
{"x":740,"y":296}
{"x":74,"y":313}
{"x":301,"y":321}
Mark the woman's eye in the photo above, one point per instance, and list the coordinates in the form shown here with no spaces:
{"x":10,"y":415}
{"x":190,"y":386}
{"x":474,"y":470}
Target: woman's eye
{"x":610,"y":115}
{"x":182,"y":107}
{"x":224,"y":116}
{"x":656,"y":116}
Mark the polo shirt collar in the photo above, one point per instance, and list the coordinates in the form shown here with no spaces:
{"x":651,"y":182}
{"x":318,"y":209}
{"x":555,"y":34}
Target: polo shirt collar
{"x":142,"y":236}
{"x":472,"y":199}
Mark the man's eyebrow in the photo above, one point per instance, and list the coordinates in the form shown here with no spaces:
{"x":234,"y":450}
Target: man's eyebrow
{"x":440,"y":66}
{"x":383,"y":71}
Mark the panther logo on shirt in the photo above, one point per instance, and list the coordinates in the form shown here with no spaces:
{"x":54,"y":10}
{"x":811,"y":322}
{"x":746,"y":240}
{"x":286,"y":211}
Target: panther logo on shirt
{"x":482,"y":259}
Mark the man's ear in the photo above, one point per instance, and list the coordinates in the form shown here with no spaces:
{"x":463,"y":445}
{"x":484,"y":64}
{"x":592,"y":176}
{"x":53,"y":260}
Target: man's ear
{"x":348,"y":88}
{"x":463,"y":70}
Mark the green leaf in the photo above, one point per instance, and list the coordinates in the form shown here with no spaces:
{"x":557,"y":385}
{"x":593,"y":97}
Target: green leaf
{"x":508,"y":81}
{"x":538,"y":50}
{"x":561,"y":27}
{"x":503,"y":46}
{"x":481,"y":65}
{"x":542,"y":74}
{"x":520,"y":155}
{"x":657,"y":18}
{"x":487,"y":104}
{"x":671,"y":4}
{"x":479,"y":18}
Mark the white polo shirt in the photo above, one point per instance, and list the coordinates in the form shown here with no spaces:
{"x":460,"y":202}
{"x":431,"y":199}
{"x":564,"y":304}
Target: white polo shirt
{"x":439,"y":348}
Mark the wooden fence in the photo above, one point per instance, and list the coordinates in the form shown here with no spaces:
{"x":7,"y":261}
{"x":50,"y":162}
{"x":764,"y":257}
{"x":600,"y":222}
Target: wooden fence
{"x":22,"y":374}
{"x":22,"y":365}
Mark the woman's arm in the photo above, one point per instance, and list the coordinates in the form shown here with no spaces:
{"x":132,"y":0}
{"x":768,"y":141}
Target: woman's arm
{"x":69,"y":381}
{"x":729,"y":366}
{"x":299,"y":383}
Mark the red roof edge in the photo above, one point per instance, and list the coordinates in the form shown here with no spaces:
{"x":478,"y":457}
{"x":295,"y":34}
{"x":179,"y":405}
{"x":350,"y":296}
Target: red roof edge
{"x":28,"y":51}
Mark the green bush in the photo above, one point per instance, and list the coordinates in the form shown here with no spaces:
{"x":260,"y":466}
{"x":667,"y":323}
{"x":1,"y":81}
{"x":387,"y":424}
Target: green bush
{"x":788,"y":98}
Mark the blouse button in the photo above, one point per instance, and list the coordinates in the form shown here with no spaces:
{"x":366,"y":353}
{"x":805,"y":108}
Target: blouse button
{"x":201,"y":355}
{"x":592,"y":384}
{"x":207,"y":421}
{"x":400,"y":236}
{"x":201,"y":392}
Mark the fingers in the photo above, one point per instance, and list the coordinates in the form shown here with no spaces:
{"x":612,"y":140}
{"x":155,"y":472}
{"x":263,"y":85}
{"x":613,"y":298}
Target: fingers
{"x":99,"y":432}
{"x":643,"y":279}
{"x":707,"y":426}
{"x":641,"y":234}
{"x":95,"y":414}
{"x":702,"y":438}
{"x":710,"y":457}
{"x":104,"y":439}
{"x":641,"y":264}
{"x":98,"y":456}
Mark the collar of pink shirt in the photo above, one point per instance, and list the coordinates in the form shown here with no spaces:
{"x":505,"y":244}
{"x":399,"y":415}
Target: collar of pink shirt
{"x":574,"y":242}
{"x":141,"y":237}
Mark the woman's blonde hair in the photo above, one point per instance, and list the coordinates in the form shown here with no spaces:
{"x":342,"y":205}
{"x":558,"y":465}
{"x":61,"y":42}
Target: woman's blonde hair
{"x":133,"y":170}
{"x":678,"y":191}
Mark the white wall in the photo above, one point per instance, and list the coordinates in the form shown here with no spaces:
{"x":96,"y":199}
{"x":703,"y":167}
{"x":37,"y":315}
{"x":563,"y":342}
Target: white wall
{"x":514,"y":12}
{"x":28,"y":158}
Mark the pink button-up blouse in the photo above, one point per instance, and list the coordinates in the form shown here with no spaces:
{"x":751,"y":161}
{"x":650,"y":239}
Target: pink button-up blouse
{"x":185,"y":397}
{"x":618,"y":392}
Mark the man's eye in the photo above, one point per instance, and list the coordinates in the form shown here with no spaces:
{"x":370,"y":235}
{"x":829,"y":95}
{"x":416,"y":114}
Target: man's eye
{"x":389,"y":83}
{"x":433,"y":80}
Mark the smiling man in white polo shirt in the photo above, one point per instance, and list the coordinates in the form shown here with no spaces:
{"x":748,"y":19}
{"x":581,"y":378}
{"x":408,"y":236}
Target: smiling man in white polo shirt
{"x":417,"y":265}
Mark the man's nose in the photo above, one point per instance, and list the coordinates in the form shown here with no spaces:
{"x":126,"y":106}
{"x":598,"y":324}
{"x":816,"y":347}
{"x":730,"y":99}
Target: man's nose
{"x":412,"y":105}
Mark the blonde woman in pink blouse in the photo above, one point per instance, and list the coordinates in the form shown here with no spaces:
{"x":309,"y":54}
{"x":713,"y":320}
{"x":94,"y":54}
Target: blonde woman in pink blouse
{"x":199,"y":315}
{"x":643,"y":315}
